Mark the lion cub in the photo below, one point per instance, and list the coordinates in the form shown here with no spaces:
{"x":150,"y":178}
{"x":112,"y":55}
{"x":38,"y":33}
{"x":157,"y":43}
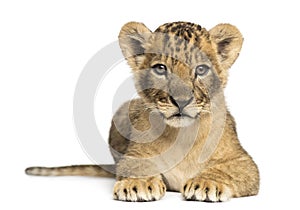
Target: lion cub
{"x":178,"y":135}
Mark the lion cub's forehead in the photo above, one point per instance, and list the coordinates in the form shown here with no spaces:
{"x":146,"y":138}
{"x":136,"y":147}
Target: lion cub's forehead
{"x":182,"y":41}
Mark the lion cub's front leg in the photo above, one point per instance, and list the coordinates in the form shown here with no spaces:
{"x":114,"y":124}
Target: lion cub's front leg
{"x":139,"y":189}
{"x":138,"y":179}
{"x":237,"y":177}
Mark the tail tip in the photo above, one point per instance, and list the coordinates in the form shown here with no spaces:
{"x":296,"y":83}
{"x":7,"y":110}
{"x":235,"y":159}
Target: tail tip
{"x":33,"y":171}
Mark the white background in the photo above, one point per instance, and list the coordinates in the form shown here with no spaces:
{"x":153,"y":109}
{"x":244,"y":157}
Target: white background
{"x":44,"y":47}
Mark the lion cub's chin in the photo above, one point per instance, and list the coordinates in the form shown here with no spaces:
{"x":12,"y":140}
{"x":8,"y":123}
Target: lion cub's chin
{"x":179,"y":122}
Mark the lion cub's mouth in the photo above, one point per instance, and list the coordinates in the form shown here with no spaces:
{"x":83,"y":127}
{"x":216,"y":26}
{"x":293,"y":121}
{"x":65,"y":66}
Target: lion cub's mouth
{"x":179,"y":120}
{"x":180,"y":115}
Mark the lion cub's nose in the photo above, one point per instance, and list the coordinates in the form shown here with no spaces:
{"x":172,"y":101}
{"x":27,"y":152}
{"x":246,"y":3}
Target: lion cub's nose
{"x":180,"y":103}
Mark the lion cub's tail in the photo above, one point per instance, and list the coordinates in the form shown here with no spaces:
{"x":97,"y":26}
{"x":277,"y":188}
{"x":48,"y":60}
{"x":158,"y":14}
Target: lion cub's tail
{"x":75,"y":170}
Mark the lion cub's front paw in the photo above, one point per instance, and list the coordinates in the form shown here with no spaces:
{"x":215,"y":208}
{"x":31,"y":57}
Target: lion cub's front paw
{"x":198,"y":189}
{"x":134,"y":189}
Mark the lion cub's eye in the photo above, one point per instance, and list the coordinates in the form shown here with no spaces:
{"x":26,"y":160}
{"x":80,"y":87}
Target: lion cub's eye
{"x":159,"y":69}
{"x":202,"y":70}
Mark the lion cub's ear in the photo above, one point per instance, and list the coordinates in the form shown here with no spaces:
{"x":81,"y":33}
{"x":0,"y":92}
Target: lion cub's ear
{"x":227,"y":41}
{"x":132,"y":39}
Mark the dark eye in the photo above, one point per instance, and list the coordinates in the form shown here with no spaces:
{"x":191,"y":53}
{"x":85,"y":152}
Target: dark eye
{"x":202,"y":70}
{"x":159,"y":69}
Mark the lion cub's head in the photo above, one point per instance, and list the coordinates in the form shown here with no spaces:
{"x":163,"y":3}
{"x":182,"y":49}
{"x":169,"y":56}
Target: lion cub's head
{"x":180,"y":66}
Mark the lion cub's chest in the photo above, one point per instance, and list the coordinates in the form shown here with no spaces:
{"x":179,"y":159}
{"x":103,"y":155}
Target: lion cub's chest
{"x":187,"y":168}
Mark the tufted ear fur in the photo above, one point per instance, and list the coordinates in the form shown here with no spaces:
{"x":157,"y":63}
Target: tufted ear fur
{"x":132,"y":39}
{"x":227,"y":42}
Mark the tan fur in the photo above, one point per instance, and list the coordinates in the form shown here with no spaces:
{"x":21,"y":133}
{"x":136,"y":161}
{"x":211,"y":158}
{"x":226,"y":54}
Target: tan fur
{"x":154,"y":149}
{"x":76,"y":170}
